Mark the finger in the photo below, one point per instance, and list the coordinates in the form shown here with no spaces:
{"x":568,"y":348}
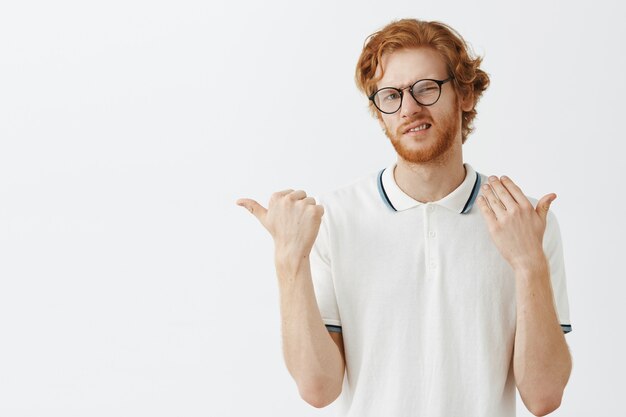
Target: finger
{"x":309,"y":200}
{"x":485,"y":209}
{"x":502,"y":193}
{"x":277,"y":196}
{"x":494,"y":203}
{"x":253,"y":207}
{"x":544,"y":205}
{"x":284,"y":192}
{"x":297,"y":195}
{"x":515,"y":191}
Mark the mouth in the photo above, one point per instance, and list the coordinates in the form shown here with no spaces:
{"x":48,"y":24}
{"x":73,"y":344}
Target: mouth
{"x":418,"y":129}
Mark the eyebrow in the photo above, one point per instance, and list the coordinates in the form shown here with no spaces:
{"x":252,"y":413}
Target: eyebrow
{"x":410,"y":84}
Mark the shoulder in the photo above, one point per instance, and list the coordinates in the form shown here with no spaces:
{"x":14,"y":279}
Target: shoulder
{"x":551,"y":221}
{"x":353,"y":193}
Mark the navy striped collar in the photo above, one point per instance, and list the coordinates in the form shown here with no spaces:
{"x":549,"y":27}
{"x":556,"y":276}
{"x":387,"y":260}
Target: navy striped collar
{"x":460,"y":200}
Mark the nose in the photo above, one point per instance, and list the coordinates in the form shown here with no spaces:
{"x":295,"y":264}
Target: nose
{"x":409,"y":106}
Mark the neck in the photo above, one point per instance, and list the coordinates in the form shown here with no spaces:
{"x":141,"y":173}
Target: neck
{"x":430,"y":181}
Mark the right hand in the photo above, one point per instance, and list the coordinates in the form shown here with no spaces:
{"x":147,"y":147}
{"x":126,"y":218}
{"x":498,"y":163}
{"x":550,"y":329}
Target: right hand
{"x":292,"y":218}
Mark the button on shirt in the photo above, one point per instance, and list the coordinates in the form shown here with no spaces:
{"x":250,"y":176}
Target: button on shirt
{"x":423,"y":299}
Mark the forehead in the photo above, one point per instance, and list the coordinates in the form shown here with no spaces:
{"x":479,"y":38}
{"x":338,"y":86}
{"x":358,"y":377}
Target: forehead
{"x":405,"y":66}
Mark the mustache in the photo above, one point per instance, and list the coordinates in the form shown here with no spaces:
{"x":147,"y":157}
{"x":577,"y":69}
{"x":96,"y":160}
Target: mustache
{"x":404,"y":126}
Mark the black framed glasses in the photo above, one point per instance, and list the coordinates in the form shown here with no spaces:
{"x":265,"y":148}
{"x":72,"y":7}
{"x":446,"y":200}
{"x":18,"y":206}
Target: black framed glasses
{"x":426,"y":92}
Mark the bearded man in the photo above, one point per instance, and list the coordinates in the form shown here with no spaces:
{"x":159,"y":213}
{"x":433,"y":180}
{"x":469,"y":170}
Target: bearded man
{"x":435,"y":290}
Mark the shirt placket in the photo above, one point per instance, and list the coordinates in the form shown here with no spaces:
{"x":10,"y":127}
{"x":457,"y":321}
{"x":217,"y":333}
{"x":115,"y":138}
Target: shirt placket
{"x":430,"y":243}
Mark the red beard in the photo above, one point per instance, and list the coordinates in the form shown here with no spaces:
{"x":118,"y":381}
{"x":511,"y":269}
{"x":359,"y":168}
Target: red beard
{"x":436,"y":140}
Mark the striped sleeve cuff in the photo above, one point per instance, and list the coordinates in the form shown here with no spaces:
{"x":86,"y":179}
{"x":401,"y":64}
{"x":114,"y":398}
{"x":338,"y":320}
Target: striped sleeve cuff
{"x":337,"y":329}
{"x":334,"y":329}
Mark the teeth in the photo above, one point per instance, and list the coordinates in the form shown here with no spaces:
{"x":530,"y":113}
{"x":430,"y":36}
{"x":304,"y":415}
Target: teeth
{"x":421,"y":127}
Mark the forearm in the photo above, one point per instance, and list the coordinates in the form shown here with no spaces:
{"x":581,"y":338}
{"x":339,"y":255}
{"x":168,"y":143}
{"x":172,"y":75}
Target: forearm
{"x":312,"y":357}
{"x":542,"y":362}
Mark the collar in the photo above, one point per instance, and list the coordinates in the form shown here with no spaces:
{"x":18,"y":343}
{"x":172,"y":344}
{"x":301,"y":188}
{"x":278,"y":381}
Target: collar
{"x":460,"y":200}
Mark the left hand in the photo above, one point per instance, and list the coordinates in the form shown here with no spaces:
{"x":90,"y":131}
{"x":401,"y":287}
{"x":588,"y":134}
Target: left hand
{"x":516,"y":227}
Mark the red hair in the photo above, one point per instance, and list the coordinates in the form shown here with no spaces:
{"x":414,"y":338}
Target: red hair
{"x":469,"y":80}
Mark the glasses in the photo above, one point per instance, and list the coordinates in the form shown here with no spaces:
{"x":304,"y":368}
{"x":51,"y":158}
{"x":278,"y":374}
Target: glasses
{"x":426,"y":92}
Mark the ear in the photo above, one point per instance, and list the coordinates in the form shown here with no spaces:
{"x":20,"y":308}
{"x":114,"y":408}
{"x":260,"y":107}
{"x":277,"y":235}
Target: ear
{"x":467,"y":102}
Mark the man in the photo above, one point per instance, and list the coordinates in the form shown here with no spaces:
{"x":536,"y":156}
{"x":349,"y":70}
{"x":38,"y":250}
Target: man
{"x":437,"y":289}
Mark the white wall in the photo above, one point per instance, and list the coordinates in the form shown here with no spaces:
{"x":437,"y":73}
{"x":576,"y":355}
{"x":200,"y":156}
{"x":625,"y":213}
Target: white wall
{"x":131,"y":283}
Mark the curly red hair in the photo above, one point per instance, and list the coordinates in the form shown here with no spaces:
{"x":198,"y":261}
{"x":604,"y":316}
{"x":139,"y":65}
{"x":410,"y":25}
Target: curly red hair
{"x":469,"y":80}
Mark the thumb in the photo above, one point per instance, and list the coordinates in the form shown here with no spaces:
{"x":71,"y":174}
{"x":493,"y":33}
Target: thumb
{"x":544,"y":205}
{"x":253,"y":207}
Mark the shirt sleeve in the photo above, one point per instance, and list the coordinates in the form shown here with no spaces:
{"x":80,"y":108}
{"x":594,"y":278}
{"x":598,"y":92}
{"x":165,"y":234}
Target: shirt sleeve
{"x":321,"y":274}
{"x":553,"y":248}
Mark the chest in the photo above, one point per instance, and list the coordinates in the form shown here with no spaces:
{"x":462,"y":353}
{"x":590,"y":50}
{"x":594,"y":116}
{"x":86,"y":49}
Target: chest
{"x":422,"y":263}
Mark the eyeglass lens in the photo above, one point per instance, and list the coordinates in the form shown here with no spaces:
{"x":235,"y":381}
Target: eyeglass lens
{"x":389,"y":100}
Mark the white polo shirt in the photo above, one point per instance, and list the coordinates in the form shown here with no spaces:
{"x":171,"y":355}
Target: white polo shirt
{"x":423,"y":298}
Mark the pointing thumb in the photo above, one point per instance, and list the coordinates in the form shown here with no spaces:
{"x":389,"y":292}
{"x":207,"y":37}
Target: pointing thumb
{"x":544,"y":205}
{"x":253,"y":207}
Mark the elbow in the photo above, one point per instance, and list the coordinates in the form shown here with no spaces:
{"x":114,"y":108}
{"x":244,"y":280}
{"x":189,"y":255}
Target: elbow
{"x":320,"y":394}
{"x":316,"y":401}
{"x":545,"y":405}
{"x":543,"y":399}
